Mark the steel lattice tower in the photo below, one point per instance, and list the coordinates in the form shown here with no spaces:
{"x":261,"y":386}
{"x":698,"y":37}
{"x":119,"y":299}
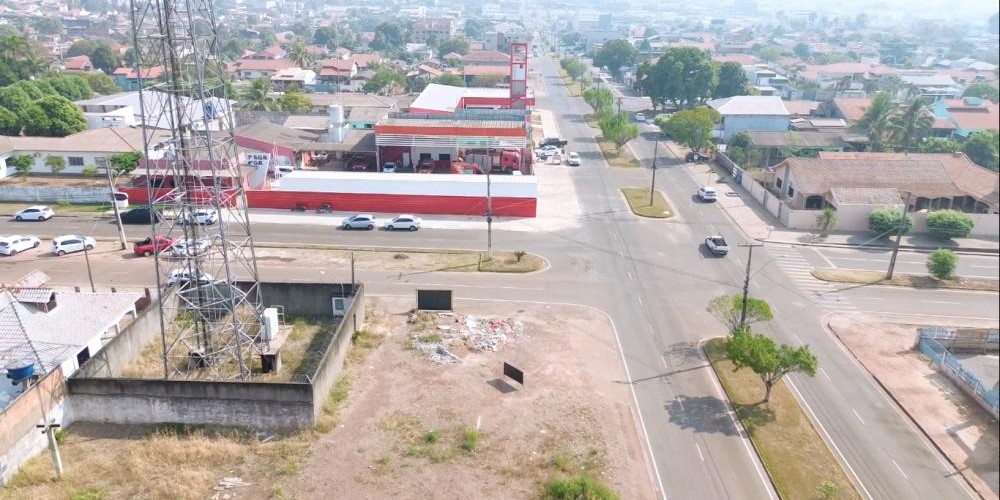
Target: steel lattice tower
{"x":210,"y":327}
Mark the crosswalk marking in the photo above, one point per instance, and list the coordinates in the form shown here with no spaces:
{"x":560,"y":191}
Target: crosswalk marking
{"x":818,"y":292}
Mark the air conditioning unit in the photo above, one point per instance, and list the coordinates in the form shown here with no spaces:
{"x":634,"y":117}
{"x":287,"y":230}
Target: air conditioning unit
{"x":339,"y":307}
{"x":269,"y":330}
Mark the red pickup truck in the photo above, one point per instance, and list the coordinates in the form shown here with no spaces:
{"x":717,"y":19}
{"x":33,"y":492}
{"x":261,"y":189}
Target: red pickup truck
{"x":149,"y":246}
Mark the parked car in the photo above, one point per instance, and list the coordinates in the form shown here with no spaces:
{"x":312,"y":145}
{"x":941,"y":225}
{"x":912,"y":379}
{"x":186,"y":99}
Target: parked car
{"x":389,"y":168}
{"x":11,"y":245}
{"x":694,"y":156}
{"x":140,"y":216}
{"x":185,"y":276}
{"x":62,"y":245}
{"x":190,"y":248}
{"x":717,"y":245}
{"x":640,"y":117}
{"x":149,"y":246}
{"x":706,"y":193}
{"x":550,"y":141}
{"x":360,"y":221}
{"x":545,"y":152}
{"x":202,"y":216}
{"x":35,"y":212}
{"x":404,"y":221}
{"x":359,"y":165}
{"x":573,"y":159}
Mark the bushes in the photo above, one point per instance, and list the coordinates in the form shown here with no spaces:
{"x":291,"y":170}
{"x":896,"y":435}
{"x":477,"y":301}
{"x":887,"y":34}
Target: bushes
{"x":947,"y":224}
{"x":886,"y":221}
{"x":577,"y":488}
{"x":942,"y":263}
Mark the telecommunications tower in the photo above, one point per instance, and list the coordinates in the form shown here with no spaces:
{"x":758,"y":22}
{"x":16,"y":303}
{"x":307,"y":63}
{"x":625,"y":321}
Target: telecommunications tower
{"x":207,"y":279}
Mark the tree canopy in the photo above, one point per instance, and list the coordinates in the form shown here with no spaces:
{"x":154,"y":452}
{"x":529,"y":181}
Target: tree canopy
{"x":476,"y":29}
{"x":389,"y":36}
{"x":729,"y":308}
{"x":449,"y":79}
{"x":616,"y":54}
{"x":768,"y":360}
{"x":983,"y":90}
{"x":981,"y":147}
{"x":458,"y":45}
{"x":684,"y":76}
{"x":386,"y":81}
{"x":732,"y":80}
{"x":616,"y":128}
{"x":691,"y":127}
{"x":877,"y":121}
{"x":101,"y":83}
{"x":294,"y":101}
{"x":599,"y":99}
{"x":64,"y":117}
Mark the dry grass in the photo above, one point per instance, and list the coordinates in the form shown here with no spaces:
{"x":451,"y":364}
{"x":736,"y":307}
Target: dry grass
{"x":507,"y":262}
{"x":638,"y":201}
{"x":413,"y":260}
{"x":572,"y":88}
{"x":909,"y":280}
{"x":615,"y":158}
{"x":794,"y":454}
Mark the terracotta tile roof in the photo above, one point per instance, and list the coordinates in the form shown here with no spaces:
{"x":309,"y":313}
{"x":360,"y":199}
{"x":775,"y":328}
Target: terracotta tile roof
{"x":262,"y":65}
{"x":475,"y":56}
{"x":485,"y":70}
{"x":151,"y":73}
{"x":744,"y":59}
{"x":78,"y":63}
{"x":802,"y":108}
{"x":364,"y":60}
{"x":852,"y":108}
{"x":976,"y":119}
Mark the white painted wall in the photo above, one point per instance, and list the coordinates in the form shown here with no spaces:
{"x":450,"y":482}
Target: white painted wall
{"x":409,"y":184}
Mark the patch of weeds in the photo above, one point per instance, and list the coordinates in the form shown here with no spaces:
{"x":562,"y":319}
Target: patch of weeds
{"x":87,"y":494}
{"x":365,"y":340}
{"x":431,"y":437}
{"x":277,"y":492}
{"x":383,"y":463}
{"x":60,"y":436}
{"x":570,"y":463}
{"x":328,"y":416}
{"x":431,"y":338}
{"x":577,"y":488}
{"x":400,"y":256}
{"x":470,"y":439}
{"x":408,"y":343}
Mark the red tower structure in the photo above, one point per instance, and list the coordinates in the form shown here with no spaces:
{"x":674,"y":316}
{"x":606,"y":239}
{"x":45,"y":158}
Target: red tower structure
{"x":518,"y":75}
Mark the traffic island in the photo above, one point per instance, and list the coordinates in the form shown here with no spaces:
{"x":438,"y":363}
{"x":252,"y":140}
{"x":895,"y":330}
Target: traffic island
{"x":796,"y":457}
{"x":401,"y":259}
{"x":638,"y":201}
{"x":908,"y":280}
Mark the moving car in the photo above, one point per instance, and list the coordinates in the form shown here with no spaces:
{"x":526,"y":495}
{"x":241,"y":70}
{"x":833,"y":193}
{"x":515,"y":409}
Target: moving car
{"x":573,"y":159}
{"x":149,"y":246}
{"x":185,"y":276}
{"x":403,"y":221}
{"x":140,"y":216}
{"x":640,"y":117}
{"x":706,"y":193}
{"x":189,"y":248}
{"x":62,"y":245}
{"x":359,"y":221}
{"x":35,"y":212}
{"x":717,"y":245}
{"x":694,"y":156}
{"x":202,"y":216}
{"x":11,"y":245}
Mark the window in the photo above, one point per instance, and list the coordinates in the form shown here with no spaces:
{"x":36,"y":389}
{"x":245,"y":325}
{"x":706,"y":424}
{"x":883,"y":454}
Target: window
{"x":83,"y":356}
{"x":101,"y":161}
{"x":777,"y":183}
{"x":425,"y":156}
{"x":814,"y":202}
{"x":75,"y":161}
{"x":791,"y":191}
{"x":444,"y":157}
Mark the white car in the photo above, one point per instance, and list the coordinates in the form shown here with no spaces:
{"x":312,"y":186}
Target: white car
{"x":185,"y":276}
{"x":62,"y":245}
{"x":403,"y":221}
{"x":706,"y":193}
{"x":36,"y":212}
{"x":188,"y":248}
{"x":545,"y":152}
{"x":640,"y":117}
{"x":389,"y":168}
{"x":202,"y":216}
{"x":10,"y":245}
{"x":573,"y":159}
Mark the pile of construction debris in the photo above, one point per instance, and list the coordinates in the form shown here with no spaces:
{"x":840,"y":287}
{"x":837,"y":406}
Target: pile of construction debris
{"x":438,"y":334}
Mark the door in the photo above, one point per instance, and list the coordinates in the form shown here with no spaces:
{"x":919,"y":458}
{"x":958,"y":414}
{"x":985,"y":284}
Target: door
{"x":406,"y":159}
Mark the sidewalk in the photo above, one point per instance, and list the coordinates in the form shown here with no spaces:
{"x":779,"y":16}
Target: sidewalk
{"x":757,"y":224}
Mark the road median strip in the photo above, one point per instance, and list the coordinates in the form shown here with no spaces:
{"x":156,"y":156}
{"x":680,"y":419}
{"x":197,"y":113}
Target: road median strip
{"x":797,"y":459}
{"x":862,"y":277}
{"x":638,"y":201}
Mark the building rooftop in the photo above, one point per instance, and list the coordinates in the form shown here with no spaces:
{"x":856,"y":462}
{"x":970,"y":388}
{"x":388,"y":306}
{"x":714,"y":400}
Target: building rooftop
{"x":352,"y":100}
{"x":750,"y":105}
{"x":865,"y":196}
{"x":270,"y":133}
{"x":806,"y":139}
{"x":445,"y":98}
{"x":101,"y":140}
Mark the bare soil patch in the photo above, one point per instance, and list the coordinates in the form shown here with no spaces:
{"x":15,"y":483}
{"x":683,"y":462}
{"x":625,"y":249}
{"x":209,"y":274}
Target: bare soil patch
{"x":403,"y":260}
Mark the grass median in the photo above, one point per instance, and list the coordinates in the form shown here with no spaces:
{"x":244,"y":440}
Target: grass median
{"x":404,"y":260}
{"x":638,"y":201}
{"x":908,"y":280}
{"x":799,"y":462}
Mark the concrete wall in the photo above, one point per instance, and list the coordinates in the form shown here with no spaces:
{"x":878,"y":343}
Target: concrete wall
{"x":120,"y":350}
{"x":333,"y":360}
{"x":53,"y":194}
{"x":19,"y":439}
{"x":734,"y":124}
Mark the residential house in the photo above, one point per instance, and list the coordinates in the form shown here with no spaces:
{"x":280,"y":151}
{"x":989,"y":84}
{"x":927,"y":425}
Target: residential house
{"x":337,"y":72}
{"x":129,"y":78}
{"x":253,"y":68}
{"x":272,"y":52}
{"x":850,"y":109}
{"x":776,"y":146}
{"x":298,"y":77}
{"x":350,"y":101}
{"x":967,"y":115}
{"x":364,"y":61}
{"x":932,"y":85}
{"x":440,"y":28}
{"x":475,"y":74}
{"x":90,"y":147}
{"x":78,"y":64}
{"x":484,"y":58}
{"x":125,"y":110}
{"x":749,"y":113}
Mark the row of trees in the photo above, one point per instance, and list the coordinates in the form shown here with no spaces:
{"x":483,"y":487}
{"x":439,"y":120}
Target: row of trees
{"x":121,"y":163}
{"x":944,"y":224}
{"x":257,"y":97}
{"x":44,"y":107}
{"x":20,"y":60}
{"x":686,"y":77}
{"x":615,"y":127}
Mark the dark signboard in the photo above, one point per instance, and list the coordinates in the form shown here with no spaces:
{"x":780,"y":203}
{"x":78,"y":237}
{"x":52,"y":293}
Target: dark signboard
{"x":434,"y":300}
{"x":513,"y":373}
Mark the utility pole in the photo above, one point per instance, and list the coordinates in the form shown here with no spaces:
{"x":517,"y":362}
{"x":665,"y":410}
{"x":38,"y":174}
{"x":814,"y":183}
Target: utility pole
{"x":746,"y":283}
{"x":489,"y":217}
{"x":86,"y":257}
{"x":46,"y":428}
{"x":652,"y":185}
{"x":619,"y":105}
{"x":899,"y":238}
{"x":114,"y":204}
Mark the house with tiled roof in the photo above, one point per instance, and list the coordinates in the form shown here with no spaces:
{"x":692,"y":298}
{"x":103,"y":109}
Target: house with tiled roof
{"x":129,"y":78}
{"x":749,"y":113}
{"x":337,"y":71}
{"x":90,"y":147}
{"x":78,"y":64}
{"x":365,"y":60}
{"x":248,"y":69}
{"x":967,"y":115}
{"x":472,"y":73}
{"x":484,"y":58}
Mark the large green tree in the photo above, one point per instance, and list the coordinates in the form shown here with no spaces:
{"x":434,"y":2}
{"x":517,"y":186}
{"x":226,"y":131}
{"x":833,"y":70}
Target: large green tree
{"x":294,"y":101}
{"x":64,"y":117}
{"x":105,"y":58}
{"x":732,"y":80}
{"x":768,"y":360}
{"x":691,"y":127}
{"x":981,"y":147}
{"x":72,"y":87}
{"x":983,"y":90}
{"x":386,"y":81}
{"x":475,"y":29}
{"x":300,"y":55}
{"x":615,"y":55}
{"x":35,"y":120}
{"x":9,"y":123}
{"x":616,"y":128}
{"x":389,"y":36}
{"x":939,"y":145}
{"x":449,"y":79}
{"x":600,"y":99}
{"x":458,"y":45}
{"x":876,"y":122}
{"x":101,"y":83}
{"x":729,"y":310}
{"x":684,"y":76}
{"x":911,"y":123}
{"x":257,"y":96}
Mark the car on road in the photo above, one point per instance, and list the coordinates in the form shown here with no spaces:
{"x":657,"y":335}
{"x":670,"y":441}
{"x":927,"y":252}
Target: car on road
{"x":11,"y":245}
{"x":201,"y":216}
{"x":35,"y":212}
{"x":190,"y":248}
{"x":545,"y":152}
{"x":640,"y":117}
{"x":573,"y":159}
{"x":359,"y":221}
{"x":62,"y":245}
{"x":717,"y":245}
{"x":403,"y":221}
{"x":694,"y":156}
{"x":707,"y":193}
{"x":142,"y":215}
{"x":149,"y":246}
{"x":187,"y":276}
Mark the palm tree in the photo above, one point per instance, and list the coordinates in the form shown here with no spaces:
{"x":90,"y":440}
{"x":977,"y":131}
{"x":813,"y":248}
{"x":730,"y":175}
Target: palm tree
{"x":877,"y":121}
{"x":911,"y":123}
{"x":300,"y":55}
{"x":256,"y":97}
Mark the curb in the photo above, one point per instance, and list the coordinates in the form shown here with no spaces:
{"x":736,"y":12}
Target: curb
{"x":901,"y":407}
{"x":960,"y":251}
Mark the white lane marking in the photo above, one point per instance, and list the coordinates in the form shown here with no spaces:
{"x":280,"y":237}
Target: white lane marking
{"x":843,"y":460}
{"x":479,"y":421}
{"x":941,"y":302}
{"x":663,"y":359}
{"x":900,"y":469}
{"x":825,"y":374}
{"x":700,"y":455}
{"x":798,"y":338}
{"x":640,"y":299}
{"x":857,"y":416}
{"x":421,"y":283}
{"x":825,"y":259}
{"x":985,"y":267}
{"x":629,"y":274}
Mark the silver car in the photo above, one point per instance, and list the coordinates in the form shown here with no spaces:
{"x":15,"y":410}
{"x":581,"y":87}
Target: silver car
{"x":403,"y":222}
{"x":360,"y":221}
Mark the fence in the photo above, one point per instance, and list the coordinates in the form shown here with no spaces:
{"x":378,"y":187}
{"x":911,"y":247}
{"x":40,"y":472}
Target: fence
{"x":933,"y":343}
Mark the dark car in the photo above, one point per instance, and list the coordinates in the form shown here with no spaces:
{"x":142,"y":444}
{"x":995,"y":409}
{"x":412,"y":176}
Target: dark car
{"x":140,"y":216}
{"x":694,"y":156}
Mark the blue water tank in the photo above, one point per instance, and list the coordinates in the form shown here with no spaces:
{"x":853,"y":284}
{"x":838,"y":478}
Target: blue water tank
{"x":19,"y":370}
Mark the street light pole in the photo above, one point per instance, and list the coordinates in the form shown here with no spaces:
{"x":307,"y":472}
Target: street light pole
{"x":746,"y":284}
{"x":86,"y":257}
{"x":899,"y":238}
{"x":489,"y":208}
{"x":652,"y":185}
{"x":114,"y":204}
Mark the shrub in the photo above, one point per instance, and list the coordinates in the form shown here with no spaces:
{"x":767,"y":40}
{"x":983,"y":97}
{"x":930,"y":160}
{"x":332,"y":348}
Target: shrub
{"x":886,"y":221}
{"x":22,"y":164}
{"x":89,"y":170}
{"x":827,"y":220}
{"x":470,"y":439}
{"x":942,"y":263}
{"x":519,"y":254}
{"x":946,"y":224}
{"x":577,"y":488}
{"x":55,"y":163}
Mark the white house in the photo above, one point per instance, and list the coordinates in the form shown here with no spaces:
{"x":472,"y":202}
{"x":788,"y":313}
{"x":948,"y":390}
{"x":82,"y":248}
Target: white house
{"x":90,"y":147}
{"x":124,"y":109}
{"x":747,"y":113}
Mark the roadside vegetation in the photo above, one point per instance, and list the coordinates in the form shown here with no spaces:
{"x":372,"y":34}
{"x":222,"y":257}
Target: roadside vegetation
{"x":639,"y":201}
